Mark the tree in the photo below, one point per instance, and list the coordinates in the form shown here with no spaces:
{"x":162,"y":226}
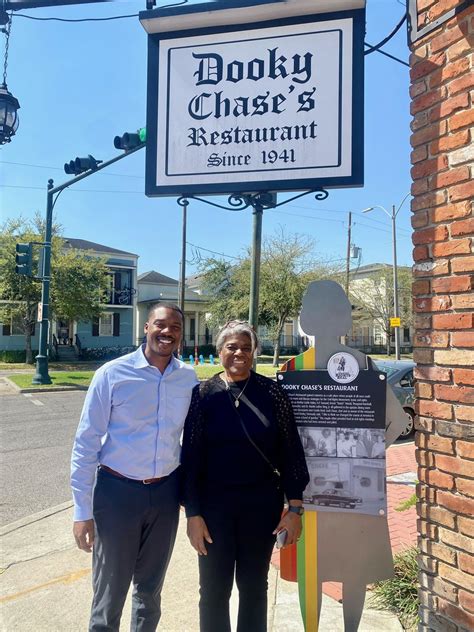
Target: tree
{"x":79,"y":281}
{"x":288,"y":264}
{"x":373,"y":296}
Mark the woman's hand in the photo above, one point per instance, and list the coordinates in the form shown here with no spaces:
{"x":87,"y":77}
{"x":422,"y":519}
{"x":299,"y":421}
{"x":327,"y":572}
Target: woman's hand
{"x":198,"y":534}
{"x":294,"y":526}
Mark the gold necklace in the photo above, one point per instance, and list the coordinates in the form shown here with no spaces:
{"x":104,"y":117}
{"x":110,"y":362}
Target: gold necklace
{"x":236,"y":399}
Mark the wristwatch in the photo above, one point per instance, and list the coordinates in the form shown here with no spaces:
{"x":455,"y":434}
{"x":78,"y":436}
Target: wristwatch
{"x":297,"y":510}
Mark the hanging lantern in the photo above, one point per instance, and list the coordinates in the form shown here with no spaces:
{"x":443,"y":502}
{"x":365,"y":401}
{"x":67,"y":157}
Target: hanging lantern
{"x":9,"y":118}
{"x":9,"y":105}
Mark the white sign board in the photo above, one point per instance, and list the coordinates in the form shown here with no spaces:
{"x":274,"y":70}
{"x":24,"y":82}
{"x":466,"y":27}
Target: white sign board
{"x":264,"y":108}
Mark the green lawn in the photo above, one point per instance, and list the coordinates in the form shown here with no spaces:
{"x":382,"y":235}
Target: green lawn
{"x":59,"y":378}
{"x":77,"y":375}
{"x":83,"y":378}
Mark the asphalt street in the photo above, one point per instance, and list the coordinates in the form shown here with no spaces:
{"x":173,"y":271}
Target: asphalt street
{"x":36,"y":435}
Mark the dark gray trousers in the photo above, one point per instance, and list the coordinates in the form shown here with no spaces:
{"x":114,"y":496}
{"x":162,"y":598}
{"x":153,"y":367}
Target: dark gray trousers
{"x":135,"y":531}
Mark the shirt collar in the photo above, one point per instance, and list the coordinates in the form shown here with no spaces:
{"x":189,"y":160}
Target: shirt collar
{"x":140,"y":361}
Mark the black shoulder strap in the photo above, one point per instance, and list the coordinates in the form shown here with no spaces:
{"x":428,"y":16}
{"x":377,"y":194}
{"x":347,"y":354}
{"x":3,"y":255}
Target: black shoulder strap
{"x":255,"y":410}
{"x":264,"y":457}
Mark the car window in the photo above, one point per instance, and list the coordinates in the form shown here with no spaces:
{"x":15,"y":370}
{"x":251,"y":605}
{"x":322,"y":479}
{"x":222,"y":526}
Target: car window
{"x":388,"y":370}
{"x":407,"y":380}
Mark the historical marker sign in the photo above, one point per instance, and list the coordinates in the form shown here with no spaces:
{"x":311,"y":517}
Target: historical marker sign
{"x":342,"y":427}
{"x":268,"y":106}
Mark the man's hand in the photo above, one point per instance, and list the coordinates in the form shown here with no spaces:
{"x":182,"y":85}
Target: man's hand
{"x":83,"y":531}
{"x":198,"y":533}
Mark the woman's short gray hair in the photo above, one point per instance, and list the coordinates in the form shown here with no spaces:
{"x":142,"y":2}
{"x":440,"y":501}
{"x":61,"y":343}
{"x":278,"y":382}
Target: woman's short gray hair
{"x":235,"y":328}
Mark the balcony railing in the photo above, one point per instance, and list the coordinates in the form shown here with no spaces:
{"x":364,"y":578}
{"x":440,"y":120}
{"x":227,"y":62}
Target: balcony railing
{"x":122,"y":297}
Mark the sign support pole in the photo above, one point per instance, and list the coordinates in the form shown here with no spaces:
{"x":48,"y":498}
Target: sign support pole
{"x":258,"y":202}
{"x":255,"y":264}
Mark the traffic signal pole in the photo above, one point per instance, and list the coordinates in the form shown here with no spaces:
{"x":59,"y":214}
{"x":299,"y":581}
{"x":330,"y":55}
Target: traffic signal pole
{"x":42,"y":375}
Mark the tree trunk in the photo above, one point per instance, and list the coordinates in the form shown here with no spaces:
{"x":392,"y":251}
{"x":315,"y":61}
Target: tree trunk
{"x":276,"y":352}
{"x":387,"y":337}
{"x":276,"y":342}
{"x":29,"y":352}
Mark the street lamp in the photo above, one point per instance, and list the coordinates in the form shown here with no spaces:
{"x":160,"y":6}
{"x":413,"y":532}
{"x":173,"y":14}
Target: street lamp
{"x":396,"y":313}
{"x":9,"y":105}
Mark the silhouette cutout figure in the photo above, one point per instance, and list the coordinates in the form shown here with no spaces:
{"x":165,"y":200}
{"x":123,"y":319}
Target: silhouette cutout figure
{"x":352,"y":548}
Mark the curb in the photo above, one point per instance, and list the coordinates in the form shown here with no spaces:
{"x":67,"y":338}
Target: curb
{"x":39,"y":389}
{"x":36,"y":517}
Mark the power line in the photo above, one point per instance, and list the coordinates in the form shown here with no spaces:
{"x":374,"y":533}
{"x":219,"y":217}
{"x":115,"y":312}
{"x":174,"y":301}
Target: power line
{"x":14,"y":186}
{"x":333,"y":210}
{"x":339,"y":221}
{"x":25,"y":164}
{"x":372,"y":48}
{"x":322,"y":219}
{"x":53,"y":19}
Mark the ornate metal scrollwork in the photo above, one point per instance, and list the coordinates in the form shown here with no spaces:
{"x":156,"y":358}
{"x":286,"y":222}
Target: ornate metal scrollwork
{"x":261,"y":200}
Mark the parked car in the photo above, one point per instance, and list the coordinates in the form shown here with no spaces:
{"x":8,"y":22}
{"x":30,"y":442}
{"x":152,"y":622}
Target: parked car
{"x":400,"y":377}
{"x":336,"y":498}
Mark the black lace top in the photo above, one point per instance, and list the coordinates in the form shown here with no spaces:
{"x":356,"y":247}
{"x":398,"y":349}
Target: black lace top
{"x":217,"y":455}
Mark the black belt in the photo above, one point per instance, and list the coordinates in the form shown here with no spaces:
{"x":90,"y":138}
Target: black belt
{"x":145,"y":481}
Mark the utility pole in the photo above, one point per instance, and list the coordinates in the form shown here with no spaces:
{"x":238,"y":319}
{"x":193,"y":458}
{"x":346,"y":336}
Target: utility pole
{"x":395,"y":284}
{"x":184,"y":203}
{"x":348,"y":256}
{"x":396,"y":313}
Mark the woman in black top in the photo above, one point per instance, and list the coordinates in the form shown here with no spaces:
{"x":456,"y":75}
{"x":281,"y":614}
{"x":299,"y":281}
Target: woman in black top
{"x":241,"y":455}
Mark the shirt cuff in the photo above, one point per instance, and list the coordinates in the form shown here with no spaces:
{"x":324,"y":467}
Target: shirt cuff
{"x":81,"y":514}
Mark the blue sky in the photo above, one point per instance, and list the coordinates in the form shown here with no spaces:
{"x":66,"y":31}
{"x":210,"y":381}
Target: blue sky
{"x":80,"y":84}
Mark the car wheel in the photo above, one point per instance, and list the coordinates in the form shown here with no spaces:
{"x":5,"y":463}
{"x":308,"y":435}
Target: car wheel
{"x":410,"y":427}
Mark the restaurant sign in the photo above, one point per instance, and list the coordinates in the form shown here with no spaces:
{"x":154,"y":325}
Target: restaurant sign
{"x":270,"y":106}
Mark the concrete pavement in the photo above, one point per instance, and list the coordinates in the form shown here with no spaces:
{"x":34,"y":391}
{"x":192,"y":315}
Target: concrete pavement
{"x":46,"y":585}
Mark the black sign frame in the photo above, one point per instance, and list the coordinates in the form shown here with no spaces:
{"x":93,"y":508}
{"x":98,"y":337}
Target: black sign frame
{"x":355,"y":179}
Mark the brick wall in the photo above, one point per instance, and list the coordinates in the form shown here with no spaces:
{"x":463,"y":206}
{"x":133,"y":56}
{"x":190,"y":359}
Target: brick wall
{"x":442,"y":83}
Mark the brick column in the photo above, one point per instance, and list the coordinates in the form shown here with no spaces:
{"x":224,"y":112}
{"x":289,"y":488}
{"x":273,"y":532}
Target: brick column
{"x":442,"y":81}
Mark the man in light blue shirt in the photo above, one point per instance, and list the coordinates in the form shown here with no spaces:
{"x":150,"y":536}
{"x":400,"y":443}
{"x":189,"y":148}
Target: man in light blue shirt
{"x":124,"y":472}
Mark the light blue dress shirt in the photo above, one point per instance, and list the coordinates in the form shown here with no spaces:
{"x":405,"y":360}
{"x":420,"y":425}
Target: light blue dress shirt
{"x":132,"y":420}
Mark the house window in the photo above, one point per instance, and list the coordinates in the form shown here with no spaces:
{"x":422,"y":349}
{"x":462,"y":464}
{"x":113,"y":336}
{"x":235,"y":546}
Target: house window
{"x":18,"y":328}
{"x":15,"y":327}
{"x":106,"y":324}
{"x":192,"y":328}
{"x":406,"y":334}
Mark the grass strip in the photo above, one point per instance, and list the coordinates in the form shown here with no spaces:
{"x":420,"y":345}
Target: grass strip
{"x":83,"y":378}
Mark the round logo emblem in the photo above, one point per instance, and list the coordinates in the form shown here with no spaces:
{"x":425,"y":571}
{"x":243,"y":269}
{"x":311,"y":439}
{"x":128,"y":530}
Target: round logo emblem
{"x":343,"y":367}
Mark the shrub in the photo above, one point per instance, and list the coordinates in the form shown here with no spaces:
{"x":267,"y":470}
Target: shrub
{"x":13,"y":355}
{"x":104,"y":353}
{"x":400,"y":593}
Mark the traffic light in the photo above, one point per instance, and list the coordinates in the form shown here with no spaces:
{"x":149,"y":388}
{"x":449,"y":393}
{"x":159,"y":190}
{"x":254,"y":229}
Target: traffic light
{"x":24,"y":259}
{"x":129,"y":140}
{"x":79,"y":165}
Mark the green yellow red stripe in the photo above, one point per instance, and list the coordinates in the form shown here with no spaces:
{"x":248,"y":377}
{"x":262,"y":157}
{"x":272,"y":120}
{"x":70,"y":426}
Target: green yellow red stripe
{"x":300,"y":563}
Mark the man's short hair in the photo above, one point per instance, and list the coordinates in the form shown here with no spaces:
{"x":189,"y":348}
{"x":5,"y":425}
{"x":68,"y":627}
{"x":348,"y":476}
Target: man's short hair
{"x":158,"y":304}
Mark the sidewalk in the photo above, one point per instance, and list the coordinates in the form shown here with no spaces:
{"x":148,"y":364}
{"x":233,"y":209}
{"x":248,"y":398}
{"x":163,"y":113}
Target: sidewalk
{"x":45,"y":583}
{"x":45,"y":586}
